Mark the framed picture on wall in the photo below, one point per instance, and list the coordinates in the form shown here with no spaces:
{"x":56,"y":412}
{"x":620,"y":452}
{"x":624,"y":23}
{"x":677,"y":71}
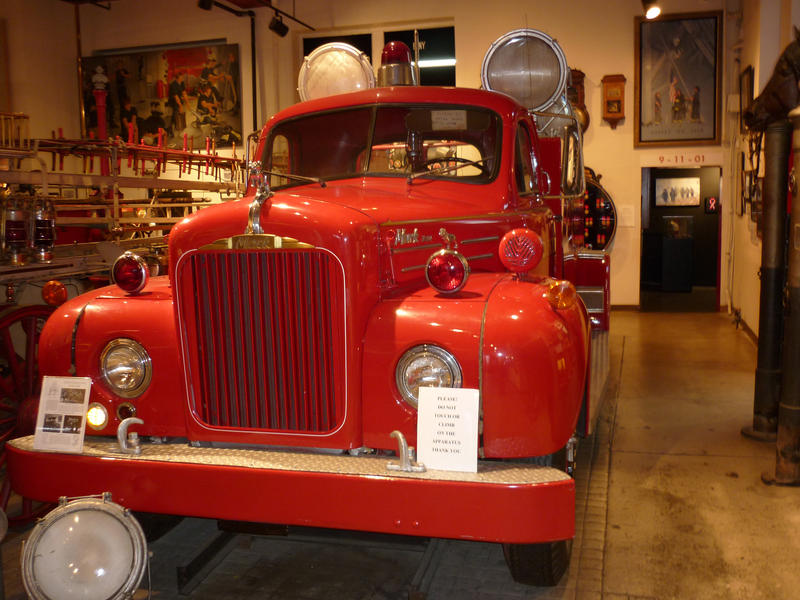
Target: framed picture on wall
{"x":678,"y":191}
{"x":677,"y":80}
{"x":192,"y":93}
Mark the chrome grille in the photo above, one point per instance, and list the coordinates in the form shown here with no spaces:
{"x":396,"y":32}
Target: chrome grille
{"x":264,"y":331}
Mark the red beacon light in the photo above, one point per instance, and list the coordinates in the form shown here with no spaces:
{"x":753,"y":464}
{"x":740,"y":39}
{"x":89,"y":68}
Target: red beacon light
{"x":130,"y":272}
{"x":396,"y":67}
{"x":447,"y":271}
{"x":521,"y":250}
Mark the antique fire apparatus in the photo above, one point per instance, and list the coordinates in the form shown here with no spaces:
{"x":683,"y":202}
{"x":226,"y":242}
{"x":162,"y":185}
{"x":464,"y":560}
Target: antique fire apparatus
{"x":390,"y":239}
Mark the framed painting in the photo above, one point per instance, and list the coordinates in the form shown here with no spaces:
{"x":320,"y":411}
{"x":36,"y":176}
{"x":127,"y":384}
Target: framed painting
{"x":678,"y":191}
{"x":191,"y":93}
{"x":677,"y":80}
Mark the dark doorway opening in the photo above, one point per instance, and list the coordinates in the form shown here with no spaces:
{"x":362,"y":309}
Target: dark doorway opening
{"x":680,"y":239}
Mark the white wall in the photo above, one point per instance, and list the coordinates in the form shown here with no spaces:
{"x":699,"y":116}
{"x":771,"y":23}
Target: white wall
{"x":598,"y":38}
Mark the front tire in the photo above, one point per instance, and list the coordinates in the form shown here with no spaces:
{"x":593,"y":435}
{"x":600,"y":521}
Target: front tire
{"x":541,"y":564}
{"x":538,"y":564}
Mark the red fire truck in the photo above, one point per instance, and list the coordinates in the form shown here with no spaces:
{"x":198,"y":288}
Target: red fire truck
{"x":391,"y":239}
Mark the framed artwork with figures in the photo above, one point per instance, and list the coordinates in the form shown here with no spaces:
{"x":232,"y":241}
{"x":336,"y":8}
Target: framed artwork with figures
{"x":677,"y":80}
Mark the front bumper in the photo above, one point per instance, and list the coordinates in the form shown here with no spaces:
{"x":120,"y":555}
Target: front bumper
{"x":502,"y":502}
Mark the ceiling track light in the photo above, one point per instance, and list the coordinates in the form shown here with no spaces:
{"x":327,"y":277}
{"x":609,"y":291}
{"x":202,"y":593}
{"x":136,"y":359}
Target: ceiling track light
{"x":651,"y":8}
{"x":278,"y":26}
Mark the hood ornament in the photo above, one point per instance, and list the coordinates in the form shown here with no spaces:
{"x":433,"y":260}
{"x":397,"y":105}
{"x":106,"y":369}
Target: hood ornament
{"x":260,"y":180}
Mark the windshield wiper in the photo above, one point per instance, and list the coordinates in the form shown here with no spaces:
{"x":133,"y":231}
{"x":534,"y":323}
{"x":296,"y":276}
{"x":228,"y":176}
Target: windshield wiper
{"x":319,"y":180}
{"x":462,"y":162}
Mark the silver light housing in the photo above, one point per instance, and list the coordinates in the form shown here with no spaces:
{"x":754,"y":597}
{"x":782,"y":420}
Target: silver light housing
{"x":334,"y":68}
{"x":528,"y":65}
{"x":126,"y":367}
{"x":87,"y":549}
{"x":425,"y":365}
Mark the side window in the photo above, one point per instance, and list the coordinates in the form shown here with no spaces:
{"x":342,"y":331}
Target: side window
{"x":523,"y":162}
{"x":279,"y":154}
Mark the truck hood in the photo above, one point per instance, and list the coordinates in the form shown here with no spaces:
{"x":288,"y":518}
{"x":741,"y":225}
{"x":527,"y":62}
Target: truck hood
{"x":393,"y":199}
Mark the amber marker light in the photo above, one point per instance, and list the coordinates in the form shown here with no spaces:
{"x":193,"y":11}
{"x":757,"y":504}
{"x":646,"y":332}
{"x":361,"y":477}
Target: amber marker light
{"x":561,"y":294}
{"x":96,"y":416}
{"x":54,"y":293}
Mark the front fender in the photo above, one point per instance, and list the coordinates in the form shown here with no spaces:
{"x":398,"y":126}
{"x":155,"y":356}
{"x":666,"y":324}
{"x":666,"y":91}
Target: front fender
{"x":92,"y":320}
{"x":534,"y":361}
{"x":527,"y":359}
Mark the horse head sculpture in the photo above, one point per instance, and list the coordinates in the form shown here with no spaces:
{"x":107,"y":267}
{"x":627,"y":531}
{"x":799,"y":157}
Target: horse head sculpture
{"x":781,"y":94}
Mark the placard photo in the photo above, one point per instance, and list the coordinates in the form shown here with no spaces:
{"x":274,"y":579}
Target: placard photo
{"x":61,"y":422}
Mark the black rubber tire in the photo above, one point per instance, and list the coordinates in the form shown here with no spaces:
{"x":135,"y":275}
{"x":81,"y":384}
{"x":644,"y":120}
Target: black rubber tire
{"x":538,"y":564}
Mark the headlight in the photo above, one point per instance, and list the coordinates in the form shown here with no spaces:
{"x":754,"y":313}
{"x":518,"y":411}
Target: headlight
{"x":426,"y":366}
{"x":126,"y":367}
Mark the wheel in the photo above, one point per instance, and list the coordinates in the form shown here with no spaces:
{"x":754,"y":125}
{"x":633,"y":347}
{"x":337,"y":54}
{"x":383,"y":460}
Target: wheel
{"x":538,"y":564}
{"x":541,"y":564}
{"x":20,"y":328}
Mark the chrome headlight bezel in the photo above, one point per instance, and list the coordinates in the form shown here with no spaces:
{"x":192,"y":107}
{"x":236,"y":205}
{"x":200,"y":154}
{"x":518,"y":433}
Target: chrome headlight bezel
{"x":138,"y":357}
{"x":445,"y":360}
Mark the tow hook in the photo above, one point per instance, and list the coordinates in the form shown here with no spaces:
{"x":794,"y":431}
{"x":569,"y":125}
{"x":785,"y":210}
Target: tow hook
{"x":408,"y":459}
{"x":129,"y":442}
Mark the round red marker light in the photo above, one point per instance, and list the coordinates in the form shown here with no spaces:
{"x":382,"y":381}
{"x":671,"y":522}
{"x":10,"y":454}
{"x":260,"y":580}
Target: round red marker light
{"x":130,"y":273}
{"x":447,"y":271}
{"x":521,"y":250}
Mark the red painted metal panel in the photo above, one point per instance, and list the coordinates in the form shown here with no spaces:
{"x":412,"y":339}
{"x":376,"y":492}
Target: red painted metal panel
{"x":474,"y":511}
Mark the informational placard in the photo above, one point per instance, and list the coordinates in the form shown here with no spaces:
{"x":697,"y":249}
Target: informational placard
{"x":447,"y":429}
{"x":61,"y":423}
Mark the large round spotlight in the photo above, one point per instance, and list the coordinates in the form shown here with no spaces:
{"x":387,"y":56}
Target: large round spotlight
{"x":334,"y":68}
{"x":528,"y":65}
{"x":88,"y":549}
{"x":426,"y":366}
{"x":126,"y":367}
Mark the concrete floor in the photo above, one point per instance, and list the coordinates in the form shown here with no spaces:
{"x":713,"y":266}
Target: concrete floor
{"x":670,"y":502}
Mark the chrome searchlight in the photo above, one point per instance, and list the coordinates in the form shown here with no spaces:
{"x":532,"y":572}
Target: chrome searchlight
{"x":334,"y":68}
{"x":528,"y":65}
{"x":86,"y":549}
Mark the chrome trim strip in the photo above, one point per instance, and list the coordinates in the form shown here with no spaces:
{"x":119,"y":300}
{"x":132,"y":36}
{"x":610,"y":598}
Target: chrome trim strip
{"x":414,"y":268}
{"x":480,"y":256}
{"x":498,"y":215}
{"x":490,"y":238}
{"x":412,"y":248}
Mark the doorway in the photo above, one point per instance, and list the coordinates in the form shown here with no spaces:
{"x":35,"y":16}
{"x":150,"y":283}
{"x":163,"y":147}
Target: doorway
{"x":680,"y":239}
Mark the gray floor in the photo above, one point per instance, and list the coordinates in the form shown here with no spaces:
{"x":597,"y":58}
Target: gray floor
{"x":670,"y":500}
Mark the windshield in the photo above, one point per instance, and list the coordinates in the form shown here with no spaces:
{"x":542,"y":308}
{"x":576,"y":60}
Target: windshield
{"x":442,"y":142}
